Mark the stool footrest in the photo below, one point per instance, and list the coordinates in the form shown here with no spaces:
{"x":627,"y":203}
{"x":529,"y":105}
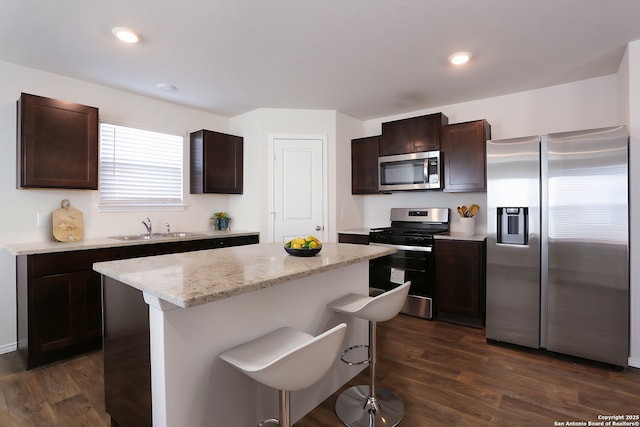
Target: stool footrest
{"x":269,"y":422}
{"x":353,"y":347}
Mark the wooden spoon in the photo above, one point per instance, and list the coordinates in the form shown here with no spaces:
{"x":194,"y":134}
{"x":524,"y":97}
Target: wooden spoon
{"x":464,"y":210}
{"x":460,"y":212}
{"x":473,"y":210}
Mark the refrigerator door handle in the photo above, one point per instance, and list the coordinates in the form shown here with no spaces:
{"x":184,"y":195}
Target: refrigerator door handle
{"x":512,"y":245}
{"x":544,"y":240}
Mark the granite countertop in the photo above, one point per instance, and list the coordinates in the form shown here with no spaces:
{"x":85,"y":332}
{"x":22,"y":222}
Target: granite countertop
{"x":460,"y":236}
{"x":360,"y":231}
{"x":52,"y":246}
{"x":193,"y":278}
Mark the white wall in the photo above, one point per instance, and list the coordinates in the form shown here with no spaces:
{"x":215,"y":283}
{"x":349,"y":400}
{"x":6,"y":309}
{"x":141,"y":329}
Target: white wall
{"x":18,"y":218}
{"x":585,"y":104}
{"x":571,"y":106}
{"x":257,"y":127}
{"x":349,"y":209}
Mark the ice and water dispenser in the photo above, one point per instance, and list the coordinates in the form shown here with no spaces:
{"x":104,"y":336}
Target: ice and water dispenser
{"x":513,"y":225}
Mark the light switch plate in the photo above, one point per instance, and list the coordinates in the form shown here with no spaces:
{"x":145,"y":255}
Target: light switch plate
{"x":41,"y":219}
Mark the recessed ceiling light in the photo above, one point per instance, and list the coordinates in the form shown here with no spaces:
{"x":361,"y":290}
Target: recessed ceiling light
{"x":460,"y":58}
{"x":126,"y":35}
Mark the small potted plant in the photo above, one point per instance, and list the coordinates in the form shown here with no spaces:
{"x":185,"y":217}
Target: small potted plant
{"x":221,"y":220}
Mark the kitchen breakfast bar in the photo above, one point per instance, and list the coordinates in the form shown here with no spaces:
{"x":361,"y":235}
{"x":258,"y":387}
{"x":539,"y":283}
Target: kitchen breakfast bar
{"x":168,"y":317}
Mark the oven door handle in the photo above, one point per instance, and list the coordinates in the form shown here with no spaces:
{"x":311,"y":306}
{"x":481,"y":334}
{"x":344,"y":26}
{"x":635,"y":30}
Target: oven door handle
{"x":406,"y":247}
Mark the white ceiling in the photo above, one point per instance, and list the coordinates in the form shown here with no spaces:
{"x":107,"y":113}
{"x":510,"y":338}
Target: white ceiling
{"x":365,"y":58}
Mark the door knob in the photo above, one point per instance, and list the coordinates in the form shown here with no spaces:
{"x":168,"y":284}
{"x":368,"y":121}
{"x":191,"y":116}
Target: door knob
{"x":318,"y":228}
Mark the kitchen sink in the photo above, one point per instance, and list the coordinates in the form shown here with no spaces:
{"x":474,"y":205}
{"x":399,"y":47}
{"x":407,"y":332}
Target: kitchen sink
{"x":156,"y":236}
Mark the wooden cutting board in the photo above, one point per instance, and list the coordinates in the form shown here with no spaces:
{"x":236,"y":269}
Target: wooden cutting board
{"x":67,"y":223}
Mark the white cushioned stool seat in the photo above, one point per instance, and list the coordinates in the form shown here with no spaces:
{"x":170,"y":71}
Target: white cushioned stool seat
{"x":380,"y":308}
{"x":368,"y":406}
{"x":287,"y":359}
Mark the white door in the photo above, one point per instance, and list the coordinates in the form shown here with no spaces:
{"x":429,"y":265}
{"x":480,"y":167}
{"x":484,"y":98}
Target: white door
{"x":298,"y":188}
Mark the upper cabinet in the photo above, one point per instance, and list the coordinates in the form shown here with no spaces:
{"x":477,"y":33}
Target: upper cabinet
{"x":216,"y":163}
{"x":462,"y":146}
{"x":412,"y":135}
{"x":57,"y":144}
{"x":364,"y":165}
{"x":464,"y":152}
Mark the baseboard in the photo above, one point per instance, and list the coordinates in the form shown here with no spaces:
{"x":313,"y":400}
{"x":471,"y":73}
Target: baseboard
{"x":8,"y":348}
{"x":634,"y":361}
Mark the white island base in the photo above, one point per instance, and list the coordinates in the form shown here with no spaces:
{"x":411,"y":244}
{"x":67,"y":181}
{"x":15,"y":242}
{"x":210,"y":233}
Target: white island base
{"x":192,"y":387}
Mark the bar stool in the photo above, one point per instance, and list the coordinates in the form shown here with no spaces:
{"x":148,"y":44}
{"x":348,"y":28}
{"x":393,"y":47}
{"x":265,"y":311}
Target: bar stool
{"x":368,"y":406}
{"x":287,"y":359}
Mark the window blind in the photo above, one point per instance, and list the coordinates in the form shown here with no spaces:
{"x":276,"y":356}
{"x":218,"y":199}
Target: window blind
{"x":139,"y":167}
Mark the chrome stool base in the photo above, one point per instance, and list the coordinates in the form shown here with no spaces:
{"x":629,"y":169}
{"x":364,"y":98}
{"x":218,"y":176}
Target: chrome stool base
{"x":269,"y":422}
{"x":368,"y":405}
{"x":356,"y":408}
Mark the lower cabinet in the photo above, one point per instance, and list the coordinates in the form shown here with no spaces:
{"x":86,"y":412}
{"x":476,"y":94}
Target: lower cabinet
{"x":66,"y":311}
{"x":59,"y":296}
{"x":358,"y":239}
{"x":59,"y":304}
{"x":460,"y":281}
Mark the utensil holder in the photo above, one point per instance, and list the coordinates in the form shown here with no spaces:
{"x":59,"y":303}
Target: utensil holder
{"x":467,"y":226}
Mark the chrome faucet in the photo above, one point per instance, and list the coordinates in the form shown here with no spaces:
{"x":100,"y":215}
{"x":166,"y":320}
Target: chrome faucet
{"x":147,"y":225}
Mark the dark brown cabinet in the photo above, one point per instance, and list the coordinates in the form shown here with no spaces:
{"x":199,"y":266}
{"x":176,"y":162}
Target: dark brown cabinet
{"x":235,"y":241}
{"x":127,"y":356}
{"x":216,"y":163}
{"x":59,"y":296}
{"x":66,"y":310}
{"x":57,"y":144}
{"x":412,"y":135}
{"x":364,"y":165}
{"x":358,"y":239}
{"x":59,"y":304}
{"x":464,"y":153}
{"x":460,"y":281}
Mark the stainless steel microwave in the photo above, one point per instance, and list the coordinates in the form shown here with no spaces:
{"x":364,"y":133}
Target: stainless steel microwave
{"x":414,"y":171}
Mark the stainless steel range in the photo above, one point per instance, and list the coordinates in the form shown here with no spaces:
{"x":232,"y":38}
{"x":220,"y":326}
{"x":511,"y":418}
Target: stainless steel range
{"x":411,"y":232}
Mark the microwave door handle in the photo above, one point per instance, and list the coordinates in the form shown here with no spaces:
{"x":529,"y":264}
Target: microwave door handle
{"x":425,"y":171}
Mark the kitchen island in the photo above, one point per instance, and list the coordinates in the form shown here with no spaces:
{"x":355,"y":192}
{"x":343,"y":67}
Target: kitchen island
{"x":179,"y":311}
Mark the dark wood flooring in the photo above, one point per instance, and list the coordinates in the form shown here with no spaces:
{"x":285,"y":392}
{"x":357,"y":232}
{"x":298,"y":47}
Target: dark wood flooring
{"x":446,"y":375}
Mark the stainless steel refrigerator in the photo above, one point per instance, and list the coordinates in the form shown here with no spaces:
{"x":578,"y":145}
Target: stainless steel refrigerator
{"x":558,"y":243}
